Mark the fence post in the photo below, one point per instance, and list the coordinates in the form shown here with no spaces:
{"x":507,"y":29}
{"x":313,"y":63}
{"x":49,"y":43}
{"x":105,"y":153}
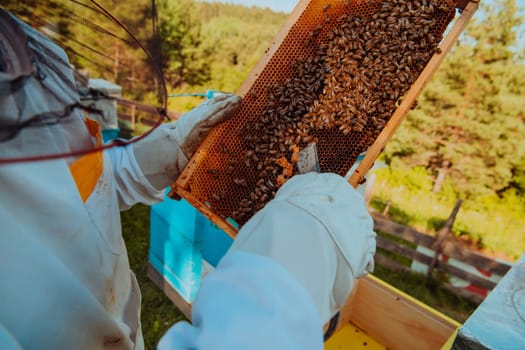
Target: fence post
{"x":387,"y":207}
{"x":442,"y":235}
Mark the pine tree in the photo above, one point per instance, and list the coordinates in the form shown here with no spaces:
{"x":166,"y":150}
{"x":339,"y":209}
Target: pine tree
{"x":184,"y":59}
{"x":469,"y":125}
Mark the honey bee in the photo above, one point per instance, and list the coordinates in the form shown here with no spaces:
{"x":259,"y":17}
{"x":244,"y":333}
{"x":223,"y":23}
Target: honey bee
{"x":240,"y":182}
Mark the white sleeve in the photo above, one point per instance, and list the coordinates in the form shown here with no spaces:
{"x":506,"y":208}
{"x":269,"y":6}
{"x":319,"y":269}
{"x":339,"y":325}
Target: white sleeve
{"x":249,"y":302}
{"x":131,"y":184}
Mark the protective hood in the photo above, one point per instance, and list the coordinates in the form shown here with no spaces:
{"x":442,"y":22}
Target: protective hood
{"x":31,"y":66}
{"x":37,"y":91}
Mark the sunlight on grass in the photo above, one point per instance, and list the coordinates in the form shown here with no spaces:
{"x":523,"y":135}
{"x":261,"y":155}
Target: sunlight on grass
{"x":492,"y":223}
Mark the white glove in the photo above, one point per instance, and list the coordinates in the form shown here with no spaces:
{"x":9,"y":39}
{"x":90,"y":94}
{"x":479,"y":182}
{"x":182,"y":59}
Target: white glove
{"x":319,"y":229}
{"x":163,"y":155}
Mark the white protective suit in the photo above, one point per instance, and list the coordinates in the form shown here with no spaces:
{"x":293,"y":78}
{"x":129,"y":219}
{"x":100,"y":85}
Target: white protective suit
{"x":65,"y":281}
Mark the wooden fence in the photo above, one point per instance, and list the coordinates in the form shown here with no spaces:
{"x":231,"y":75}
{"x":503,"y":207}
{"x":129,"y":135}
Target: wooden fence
{"x":443,"y":252}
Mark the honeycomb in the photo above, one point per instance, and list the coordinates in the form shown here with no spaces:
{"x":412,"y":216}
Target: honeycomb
{"x":336,"y":73}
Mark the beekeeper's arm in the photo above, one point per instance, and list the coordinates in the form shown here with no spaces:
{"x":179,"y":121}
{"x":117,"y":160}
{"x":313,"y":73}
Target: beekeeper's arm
{"x":289,"y":271}
{"x":146,"y":168}
{"x":141,"y":171}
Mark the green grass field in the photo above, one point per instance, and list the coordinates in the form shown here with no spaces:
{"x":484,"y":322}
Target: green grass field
{"x":158,"y":313}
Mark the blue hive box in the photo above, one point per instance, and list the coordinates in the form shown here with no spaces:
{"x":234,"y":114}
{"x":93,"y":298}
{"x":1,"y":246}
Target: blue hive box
{"x":181,"y":238}
{"x":110,"y":134}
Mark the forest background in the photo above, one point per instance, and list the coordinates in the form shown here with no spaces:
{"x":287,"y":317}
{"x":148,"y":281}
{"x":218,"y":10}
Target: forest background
{"x":465,"y":140}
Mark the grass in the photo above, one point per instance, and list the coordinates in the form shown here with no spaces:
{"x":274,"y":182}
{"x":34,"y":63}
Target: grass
{"x":493,"y":224}
{"x":396,"y":257}
{"x":159,"y":313}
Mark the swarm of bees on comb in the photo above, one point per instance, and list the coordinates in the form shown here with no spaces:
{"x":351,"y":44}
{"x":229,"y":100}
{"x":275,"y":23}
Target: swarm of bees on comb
{"x":351,"y":85}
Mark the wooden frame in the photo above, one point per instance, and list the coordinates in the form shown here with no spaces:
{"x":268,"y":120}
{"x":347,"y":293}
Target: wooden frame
{"x":395,"y":319}
{"x":180,"y":188}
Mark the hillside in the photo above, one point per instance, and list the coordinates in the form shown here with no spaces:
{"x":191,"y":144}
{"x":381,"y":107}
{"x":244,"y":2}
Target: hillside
{"x":235,"y":37}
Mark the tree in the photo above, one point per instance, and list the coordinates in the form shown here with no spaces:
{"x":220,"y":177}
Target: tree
{"x":96,"y":43}
{"x":470,"y":121}
{"x":236,"y":36}
{"x":184,"y":59}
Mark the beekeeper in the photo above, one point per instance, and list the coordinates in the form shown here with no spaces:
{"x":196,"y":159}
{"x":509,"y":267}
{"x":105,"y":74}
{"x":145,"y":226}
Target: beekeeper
{"x":65,"y":281}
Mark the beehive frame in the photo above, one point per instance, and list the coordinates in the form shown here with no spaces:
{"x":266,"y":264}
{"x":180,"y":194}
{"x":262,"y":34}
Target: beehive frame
{"x":205,"y":183}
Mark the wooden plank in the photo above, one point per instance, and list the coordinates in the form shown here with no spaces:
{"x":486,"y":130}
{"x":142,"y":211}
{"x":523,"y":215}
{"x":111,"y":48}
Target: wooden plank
{"x":463,"y":3}
{"x":402,"y":250}
{"x":395,"y":266}
{"x":377,"y":147}
{"x":346,"y":310}
{"x":467,"y":276}
{"x":451,"y":249}
{"x":169,"y":291}
{"x":456,"y":251}
{"x":395,"y":319}
{"x":399,"y":249}
{"x":224,"y":225}
{"x":442,"y":234}
{"x":444,"y":231}
{"x":381,"y":223}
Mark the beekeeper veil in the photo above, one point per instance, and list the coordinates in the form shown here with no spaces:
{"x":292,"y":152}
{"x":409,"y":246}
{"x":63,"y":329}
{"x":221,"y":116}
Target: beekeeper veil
{"x":38,"y":94}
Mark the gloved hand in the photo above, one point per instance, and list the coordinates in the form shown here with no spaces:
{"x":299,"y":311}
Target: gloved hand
{"x":163,"y":155}
{"x":318,"y":228}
